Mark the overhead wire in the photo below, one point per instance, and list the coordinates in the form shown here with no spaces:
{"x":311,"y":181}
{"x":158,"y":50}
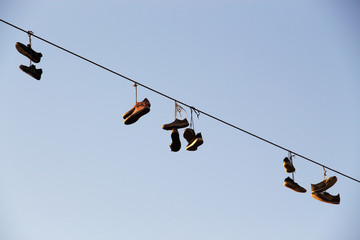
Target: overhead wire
{"x":187,"y":105}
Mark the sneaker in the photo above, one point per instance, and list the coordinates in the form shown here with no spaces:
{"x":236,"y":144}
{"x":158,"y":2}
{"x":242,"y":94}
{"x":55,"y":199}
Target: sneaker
{"x":289,"y":183}
{"x":28,"y":52}
{"x":289,"y":167}
{"x":128,"y":113}
{"x":32,"y":71}
{"x":176,"y":124}
{"x":189,"y":135}
{"x":195,"y":142}
{"x":324,"y":185}
{"x":175,"y":141}
{"x":140,"y":109}
{"x":326,"y":197}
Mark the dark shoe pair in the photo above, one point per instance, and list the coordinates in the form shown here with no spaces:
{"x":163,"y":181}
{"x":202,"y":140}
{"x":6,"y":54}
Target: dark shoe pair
{"x":28,"y":52}
{"x":139,"y":110}
{"x":32,"y":71}
{"x":318,"y":191}
{"x":194,"y":140}
{"x":289,"y":183}
{"x":176,"y":124}
{"x":289,"y":167}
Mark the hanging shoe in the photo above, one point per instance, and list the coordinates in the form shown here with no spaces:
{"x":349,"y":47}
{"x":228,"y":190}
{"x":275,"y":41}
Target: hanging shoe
{"x":289,"y":183}
{"x":195,"y":142}
{"x":175,"y":140}
{"x":289,"y":167}
{"x":28,"y":52}
{"x":326,"y":197}
{"x":176,"y":124}
{"x":189,"y":134}
{"x":141,"y":108}
{"x":128,"y":113}
{"x":324,"y":185}
{"x":32,"y":71}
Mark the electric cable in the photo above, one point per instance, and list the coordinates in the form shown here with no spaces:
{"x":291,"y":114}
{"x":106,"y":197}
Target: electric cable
{"x":173,"y":99}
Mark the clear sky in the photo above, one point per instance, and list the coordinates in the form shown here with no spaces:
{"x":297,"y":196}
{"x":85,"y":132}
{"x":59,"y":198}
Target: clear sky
{"x":287,"y":71}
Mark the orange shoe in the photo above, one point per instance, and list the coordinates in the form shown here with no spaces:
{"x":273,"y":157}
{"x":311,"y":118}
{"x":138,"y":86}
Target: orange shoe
{"x":140,"y":109}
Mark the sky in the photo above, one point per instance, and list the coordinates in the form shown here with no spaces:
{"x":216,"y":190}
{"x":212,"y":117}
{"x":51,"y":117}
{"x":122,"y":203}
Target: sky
{"x":287,"y":71}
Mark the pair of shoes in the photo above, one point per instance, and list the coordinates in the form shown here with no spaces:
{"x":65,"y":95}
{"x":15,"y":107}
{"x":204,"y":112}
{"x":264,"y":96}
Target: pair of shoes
{"x":194,"y":140}
{"x":326,"y":197}
{"x":289,"y":167}
{"x":32,"y":71}
{"x":324,"y":185}
{"x":318,"y":191}
{"x":139,"y":110}
{"x":28,"y":52}
{"x":289,"y":183}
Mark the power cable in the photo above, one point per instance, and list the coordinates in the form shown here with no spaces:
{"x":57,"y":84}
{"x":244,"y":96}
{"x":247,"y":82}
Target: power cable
{"x":189,"y":106}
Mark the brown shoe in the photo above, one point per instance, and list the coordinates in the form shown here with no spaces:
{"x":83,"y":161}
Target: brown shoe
{"x":289,"y":167}
{"x":175,"y":141}
{"x":32,"y":71}
{"x":141,"y":108}
{"x":176,"y":124}
{"x":326,"y":197}
{"x":289,"y":183}
{"x":28,"y":52}
{"x":324,"y":185}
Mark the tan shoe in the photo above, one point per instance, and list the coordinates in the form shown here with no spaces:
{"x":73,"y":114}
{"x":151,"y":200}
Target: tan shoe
{"x":141,"y":108}
{"x":326,"y":197}
{"x":289,"y":167}
{"x":289,"y":183}
{"x":324,"y":185}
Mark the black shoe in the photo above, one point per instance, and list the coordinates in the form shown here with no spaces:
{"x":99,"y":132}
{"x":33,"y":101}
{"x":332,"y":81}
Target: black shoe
{"x":175,"y":141}
{"x":27,"y":51}
{"x":189,"y":135}
{"x":195,"y":142}
{"x":176,"y":124}
{"x":32,"y":71}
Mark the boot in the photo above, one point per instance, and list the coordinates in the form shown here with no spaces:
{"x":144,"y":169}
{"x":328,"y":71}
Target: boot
{"x":140,"y":109}
{"x":326,"y":197}
{"x":195,"y":142}
{"x":32,"y":71}
{"x":176,"y":124}
{"x":324,"y":185}
{"x":175,"y":141}
{"x":289,"y":167}
{"x":289,"y":183}
{"x":28,"y":52}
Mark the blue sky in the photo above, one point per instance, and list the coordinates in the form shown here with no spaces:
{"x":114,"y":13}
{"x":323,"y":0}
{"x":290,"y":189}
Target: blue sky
{"x":286,"y":71}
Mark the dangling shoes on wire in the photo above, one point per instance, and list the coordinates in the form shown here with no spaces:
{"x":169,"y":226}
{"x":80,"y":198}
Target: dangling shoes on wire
{"x":289,"y":167}
{"x":32,"y":71}
{"x":28,"y":52}
{"x":176,"y":124}
{"x":139,"y":110}
{"x":175,"y":140}
{"x":326,"y":197}
{"x":289,"y":183}
{"x":194,"y":141}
